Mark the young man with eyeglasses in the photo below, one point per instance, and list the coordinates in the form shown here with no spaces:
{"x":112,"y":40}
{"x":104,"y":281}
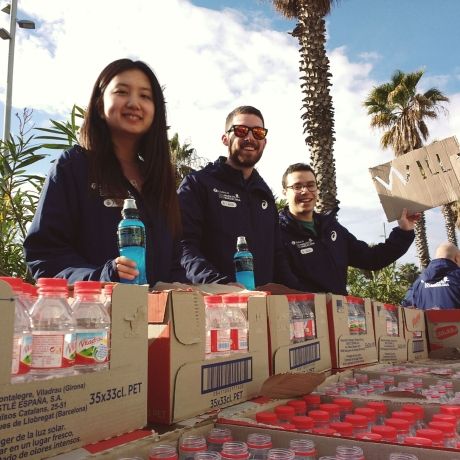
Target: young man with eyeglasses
{"x":319,"y":249}
{"x":227,"y":199}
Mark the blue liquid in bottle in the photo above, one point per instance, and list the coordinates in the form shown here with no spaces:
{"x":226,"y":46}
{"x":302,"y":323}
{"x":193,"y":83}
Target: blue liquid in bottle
{"x":244,"y":264}
{"x":131,"y":240}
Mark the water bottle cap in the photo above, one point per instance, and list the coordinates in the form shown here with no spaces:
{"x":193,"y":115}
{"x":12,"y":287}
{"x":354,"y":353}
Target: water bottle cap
{"x":241,"y":240}
{"x":445,"y":427}
{"x":285,"y":410}
{"x":343,"y":428}
{"x":398,"y":423}
{"x":212,"y":299}
{"x":368,"y":412}
{"x":312,"y":398}
{"x":319,"y":415}
{"x":302,"y":421}
{"x":430,"y":433}
{"x":331,"y":408}
{"x":449,"y":418}
{"x":108,"y":289}
{"x":417,"y":441}
{"x":357,"y":420}
{"x":454,"y":410}
{"x":409,"y":416}
{"x":87,"y":287}
{"x":345,"y":403}
{"x":52,"y":285}
{"x":15,"y":283}
{"x":378,"y":406}
{"x":298,"y":404}
{"x":231,"y":298}
{"x":387,"y":432}
{"x":129,"y":203}
{"x":30,"y":289}
{"x":266,"y":417}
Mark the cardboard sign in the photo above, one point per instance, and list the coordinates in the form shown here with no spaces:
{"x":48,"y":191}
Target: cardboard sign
{"x":419,"y":180}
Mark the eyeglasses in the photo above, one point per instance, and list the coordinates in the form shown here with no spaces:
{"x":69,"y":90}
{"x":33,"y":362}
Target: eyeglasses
{"x":258,"y":132}
{"x":310,"y":186}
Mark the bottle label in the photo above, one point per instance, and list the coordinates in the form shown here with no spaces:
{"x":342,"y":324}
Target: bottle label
{"x":131,"y":236}
{"x":53,"y":351}
{"x":92,"y":347}
{"x":310,"y":329}
{"x":244,"y":264}
{"x":239,"y":339}
{"x":220,"y":340}
{"x":22,"y":350}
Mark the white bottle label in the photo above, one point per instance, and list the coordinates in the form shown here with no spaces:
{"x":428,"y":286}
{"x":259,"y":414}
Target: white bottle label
{"x":220,"y":340}
{"x":51,"y":350}
{"x":92,"y":347}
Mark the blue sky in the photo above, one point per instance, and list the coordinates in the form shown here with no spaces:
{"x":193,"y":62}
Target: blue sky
{"x":214,"y":55}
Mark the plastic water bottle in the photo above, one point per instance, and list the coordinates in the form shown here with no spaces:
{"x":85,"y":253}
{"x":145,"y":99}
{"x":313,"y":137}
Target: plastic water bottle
{"x":92,"y":327}
{"x":238,"y":324}
{"x":191,"y":444}
{"x":163,"y":452}
{"x":259,"y":445}
{"x":131,"y":240}
{"x":296,"y":320}
{"x":217,"y":327}
{"x":22,"y":337}
{"x":244,"y":264}
{"x":306,"y":304}
{"x":53,"y":330}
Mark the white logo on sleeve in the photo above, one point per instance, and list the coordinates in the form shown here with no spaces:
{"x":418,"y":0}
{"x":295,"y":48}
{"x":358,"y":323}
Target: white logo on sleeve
{"x":228,"y":204}
{"x":333,"y":235}
{"x":264,"y":204}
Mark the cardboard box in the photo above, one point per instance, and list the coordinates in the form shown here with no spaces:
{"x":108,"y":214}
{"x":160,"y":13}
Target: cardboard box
{"x":389,"y":333}
{"x":419,"y":180}
{"x":42,"y":418}
{"x":352,"y":337}
{"x":182,"y":383}
{"x":308,"y":356}
{"x":442,"y":328}
{"x":415,"y":334}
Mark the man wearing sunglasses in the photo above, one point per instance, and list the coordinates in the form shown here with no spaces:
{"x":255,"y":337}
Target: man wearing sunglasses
{"x":227,"y":199}
{"x":319,"y":249}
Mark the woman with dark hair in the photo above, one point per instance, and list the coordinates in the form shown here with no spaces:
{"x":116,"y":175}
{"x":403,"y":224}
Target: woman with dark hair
{"x":123,"y":152}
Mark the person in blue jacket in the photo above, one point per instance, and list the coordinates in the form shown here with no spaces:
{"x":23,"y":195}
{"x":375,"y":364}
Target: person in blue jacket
{"x":227,"y":199}
{"x":123,"y":152}
{"x":319,"y":249}
{"x":438,"y":286}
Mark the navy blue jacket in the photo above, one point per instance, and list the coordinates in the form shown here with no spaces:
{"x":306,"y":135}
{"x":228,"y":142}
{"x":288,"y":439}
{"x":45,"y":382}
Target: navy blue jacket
{"x":438,"y":286}
{"x":217,"y":206}
{"x":321,"y":262}
{"x":74,"y":231}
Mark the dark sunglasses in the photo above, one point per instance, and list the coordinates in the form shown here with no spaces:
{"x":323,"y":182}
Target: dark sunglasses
{"x":258,"y":132}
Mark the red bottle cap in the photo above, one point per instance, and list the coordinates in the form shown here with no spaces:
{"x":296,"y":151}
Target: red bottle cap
{"x":388,"y":433}
{"x":435,"y":435}
{"x":379,"y":407}
{"x":409,"y":416}
{"x":449,"y":418}
{"x":212,"y":299}
{"x":298,"y":404}
{"x":285,"y":412}
{"x":331,"y":408}
{"x":368,"y":412}
{"x":312,"y":399}
{"x":370,"y":436}
{"x":319,"y":415}
{"x":342,"y":428}
{"x":266,"y":417}
{"x":417,"y":441}
{"x":416,"y":409}
{"x":398,"y":423}
{"x":357,"y":420}
{"x":454,"y":410}
{"x":446,"y":428}
{"x":323,"y":431}
{"x":344,"y":403}
{"x":302,"y":422}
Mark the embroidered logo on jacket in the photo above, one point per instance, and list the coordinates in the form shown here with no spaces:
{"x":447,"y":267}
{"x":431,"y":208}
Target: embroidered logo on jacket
{"x":441,"y":283}
{"x":304,"y":246}
{"x":333,"y":235}
{"x":227,"y":199}
{"x":264,"y":204}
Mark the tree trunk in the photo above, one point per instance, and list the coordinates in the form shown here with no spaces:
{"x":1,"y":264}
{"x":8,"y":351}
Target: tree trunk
{"x":421,"y":242}
{"x":318,"y":112}
{"x":450,"y":218}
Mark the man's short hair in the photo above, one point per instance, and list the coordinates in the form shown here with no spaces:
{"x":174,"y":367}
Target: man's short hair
{"x":243,"y":110}
{"x":296,"y":167}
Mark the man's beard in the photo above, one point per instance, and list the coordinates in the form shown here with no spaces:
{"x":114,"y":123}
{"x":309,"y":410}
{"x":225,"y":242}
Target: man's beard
{"x":240,"y":159}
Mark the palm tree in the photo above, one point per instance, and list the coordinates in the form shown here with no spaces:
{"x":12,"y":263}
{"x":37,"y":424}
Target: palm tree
{"x":318,"y":112}
{"x":401,"y":111}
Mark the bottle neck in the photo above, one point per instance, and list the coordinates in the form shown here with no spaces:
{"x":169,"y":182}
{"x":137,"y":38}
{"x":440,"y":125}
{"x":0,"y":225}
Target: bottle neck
{"x":242,"y":247}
